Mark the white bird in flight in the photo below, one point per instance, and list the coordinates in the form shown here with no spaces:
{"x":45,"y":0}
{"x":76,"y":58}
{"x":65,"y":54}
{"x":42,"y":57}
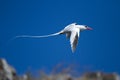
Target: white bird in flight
{"x":72,"y":32}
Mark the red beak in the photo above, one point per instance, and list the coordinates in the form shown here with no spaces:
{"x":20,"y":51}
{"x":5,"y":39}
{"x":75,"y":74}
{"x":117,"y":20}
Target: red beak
{"x":89,"y":28}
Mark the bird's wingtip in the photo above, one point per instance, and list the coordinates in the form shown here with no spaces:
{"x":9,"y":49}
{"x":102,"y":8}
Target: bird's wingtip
{"x":73,"y":50}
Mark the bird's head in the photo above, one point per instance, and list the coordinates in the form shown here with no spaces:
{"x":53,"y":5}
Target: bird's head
{"x":84,"y":27}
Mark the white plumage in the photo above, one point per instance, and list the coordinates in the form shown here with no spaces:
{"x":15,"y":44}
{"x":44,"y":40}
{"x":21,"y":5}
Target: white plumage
{"x":72,"y":31}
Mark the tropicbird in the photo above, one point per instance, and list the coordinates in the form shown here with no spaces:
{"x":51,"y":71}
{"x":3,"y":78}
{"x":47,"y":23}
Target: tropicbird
{"x":72,"y":32}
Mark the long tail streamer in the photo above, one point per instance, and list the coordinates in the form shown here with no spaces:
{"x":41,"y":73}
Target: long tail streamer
{"x":30,"y":36}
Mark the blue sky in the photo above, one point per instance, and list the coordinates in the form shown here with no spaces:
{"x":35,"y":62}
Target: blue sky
{"x":99,"y":50}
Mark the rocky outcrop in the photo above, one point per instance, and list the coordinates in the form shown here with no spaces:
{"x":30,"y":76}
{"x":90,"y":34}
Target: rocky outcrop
{"x":7,"y":72}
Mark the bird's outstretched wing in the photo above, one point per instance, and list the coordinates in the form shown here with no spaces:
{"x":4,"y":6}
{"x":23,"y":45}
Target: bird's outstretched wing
{"x":74,"y":40}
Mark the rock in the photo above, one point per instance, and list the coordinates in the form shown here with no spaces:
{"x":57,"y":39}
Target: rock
{"x":7,"y":72}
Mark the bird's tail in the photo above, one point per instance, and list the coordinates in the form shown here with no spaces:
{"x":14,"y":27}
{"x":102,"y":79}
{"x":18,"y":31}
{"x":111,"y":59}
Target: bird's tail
{"x":30,"y":36}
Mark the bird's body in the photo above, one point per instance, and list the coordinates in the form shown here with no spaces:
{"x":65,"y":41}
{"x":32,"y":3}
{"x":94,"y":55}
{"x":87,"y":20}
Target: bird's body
{"x":72,"y":32}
